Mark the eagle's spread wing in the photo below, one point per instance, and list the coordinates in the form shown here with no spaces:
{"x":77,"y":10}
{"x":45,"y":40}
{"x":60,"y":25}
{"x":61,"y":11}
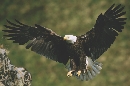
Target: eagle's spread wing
{"x":41,"y":40}
{"x":102,"y":35}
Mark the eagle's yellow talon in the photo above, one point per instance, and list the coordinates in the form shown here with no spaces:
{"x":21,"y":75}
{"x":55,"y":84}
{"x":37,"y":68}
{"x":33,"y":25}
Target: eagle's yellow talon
{"x":69,"y":74}
{"x":79,"y":72}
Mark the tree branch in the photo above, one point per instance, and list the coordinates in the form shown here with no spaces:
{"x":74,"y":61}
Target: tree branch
{"x":11,"y":75}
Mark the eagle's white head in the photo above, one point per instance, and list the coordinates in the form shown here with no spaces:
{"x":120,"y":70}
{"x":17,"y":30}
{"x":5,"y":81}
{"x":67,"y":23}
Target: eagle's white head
{"x":70,"y":38}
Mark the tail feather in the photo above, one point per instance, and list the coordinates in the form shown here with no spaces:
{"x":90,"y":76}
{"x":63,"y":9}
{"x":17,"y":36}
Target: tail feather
{"x":92,"y":69}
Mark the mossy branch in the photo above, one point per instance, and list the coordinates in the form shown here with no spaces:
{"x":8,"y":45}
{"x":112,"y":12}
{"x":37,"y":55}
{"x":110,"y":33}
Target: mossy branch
{"x":11,"y":75}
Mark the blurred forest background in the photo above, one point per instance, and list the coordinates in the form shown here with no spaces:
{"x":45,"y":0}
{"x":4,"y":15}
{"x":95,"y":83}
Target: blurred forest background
{"x":66,"y":17}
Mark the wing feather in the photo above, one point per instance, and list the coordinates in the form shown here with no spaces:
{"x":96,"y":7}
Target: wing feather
{"x":41,"y":40}
{"x":102,"y":35}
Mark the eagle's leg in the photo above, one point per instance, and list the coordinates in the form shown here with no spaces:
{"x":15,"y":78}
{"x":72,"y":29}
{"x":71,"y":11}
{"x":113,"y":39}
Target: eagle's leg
{"x":82,"y":66}
{"x":72,"y":68}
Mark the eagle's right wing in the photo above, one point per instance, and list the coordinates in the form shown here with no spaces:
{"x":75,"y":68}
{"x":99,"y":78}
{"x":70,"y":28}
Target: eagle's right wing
{"x":41,"y":40}
{"x":102,"y":35}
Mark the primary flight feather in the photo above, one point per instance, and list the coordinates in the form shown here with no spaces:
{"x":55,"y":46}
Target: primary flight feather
{"x":81,"y":51}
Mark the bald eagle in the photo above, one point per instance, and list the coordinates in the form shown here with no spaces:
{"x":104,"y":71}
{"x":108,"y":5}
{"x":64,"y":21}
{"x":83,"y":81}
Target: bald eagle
{"x":80,"y":52}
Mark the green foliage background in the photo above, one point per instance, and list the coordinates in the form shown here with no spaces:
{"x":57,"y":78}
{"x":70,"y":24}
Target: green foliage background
{"x":67,"y":17}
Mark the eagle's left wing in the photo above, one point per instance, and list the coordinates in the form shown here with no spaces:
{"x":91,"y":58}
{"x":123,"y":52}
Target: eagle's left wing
{"x":102,"y":35}
{"x":41,"y":40}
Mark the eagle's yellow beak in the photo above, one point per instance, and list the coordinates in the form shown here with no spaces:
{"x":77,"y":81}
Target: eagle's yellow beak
{"x":65,"y":38}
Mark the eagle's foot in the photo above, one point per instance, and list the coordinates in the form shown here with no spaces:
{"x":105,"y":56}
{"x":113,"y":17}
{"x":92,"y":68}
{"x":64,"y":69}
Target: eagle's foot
{"x":79,"y":72}
{"x":69,"y":74}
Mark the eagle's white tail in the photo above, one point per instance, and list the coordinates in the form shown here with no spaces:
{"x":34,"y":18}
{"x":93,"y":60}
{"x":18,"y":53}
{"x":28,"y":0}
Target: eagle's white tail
{"x":92,"y":69}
